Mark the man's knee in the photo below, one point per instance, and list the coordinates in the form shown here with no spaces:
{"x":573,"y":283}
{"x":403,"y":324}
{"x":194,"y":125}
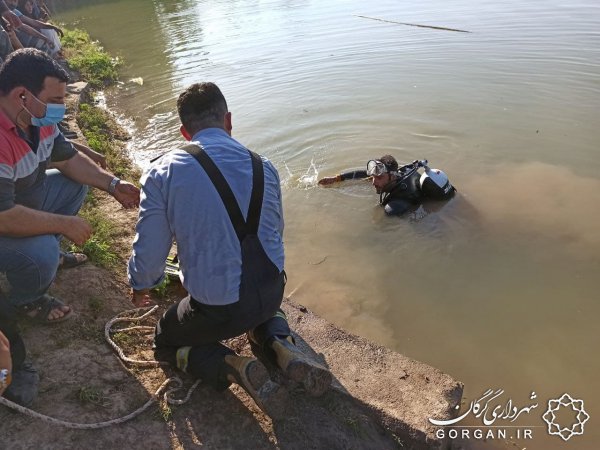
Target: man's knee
{"x":47,"y":260}
{"x":64,"y":196}
{"x":33,"y":262}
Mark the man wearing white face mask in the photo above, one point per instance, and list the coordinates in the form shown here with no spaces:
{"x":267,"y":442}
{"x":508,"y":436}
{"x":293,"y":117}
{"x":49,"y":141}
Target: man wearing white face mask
{"x":38,"y":207}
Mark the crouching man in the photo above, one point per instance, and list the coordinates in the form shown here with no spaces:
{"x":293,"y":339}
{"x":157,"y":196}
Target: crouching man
{"x":221,"y":203}
{"x":37,"y":207}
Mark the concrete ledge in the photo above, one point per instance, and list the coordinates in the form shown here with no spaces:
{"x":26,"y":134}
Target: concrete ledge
{"x":400,"y":392}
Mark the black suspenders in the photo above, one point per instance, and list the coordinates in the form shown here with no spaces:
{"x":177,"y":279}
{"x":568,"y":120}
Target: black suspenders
{"x":242,"y":227}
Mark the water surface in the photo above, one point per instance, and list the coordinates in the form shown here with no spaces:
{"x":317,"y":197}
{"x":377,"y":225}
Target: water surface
{"x":499,"y":286}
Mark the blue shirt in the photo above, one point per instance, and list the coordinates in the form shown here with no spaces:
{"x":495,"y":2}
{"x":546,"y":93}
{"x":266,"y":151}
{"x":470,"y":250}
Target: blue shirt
{"x":178,"y":201}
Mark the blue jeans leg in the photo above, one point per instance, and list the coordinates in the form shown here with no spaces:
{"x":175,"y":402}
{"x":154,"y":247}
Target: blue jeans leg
{"x":30,"y":266}
{"x":30,"y":263}
{"x":63,"y":196}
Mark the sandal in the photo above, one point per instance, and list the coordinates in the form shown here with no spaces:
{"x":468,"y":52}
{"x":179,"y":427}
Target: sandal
{"x":43,"y":307}
{"x":69,"y":260}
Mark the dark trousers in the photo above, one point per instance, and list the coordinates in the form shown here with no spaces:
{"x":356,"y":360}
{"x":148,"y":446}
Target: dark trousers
{"x":193,"y":324}
{"x":8,"y":326}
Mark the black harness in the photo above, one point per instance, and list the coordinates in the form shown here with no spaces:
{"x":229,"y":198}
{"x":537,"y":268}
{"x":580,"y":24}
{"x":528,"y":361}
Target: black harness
{"x":260,"y":277}
{"x":403,"y":188}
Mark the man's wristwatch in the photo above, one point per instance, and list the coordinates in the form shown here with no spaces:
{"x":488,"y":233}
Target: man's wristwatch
{"x":113,"y":185}
{"x":5,"y":379}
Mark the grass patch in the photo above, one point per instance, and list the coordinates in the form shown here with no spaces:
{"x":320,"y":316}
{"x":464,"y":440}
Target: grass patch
{"x":104,"y":136}
{"x":162,"y":290}
{"x":354,"y":426}
{"x":98,"y":248}
{"x":124,"y":340}
{"x":95,"y":305}
{"x":86,"y":330}
{"x":92,"y":395}
{"x":100,"y":129}
{"x":88,"y":57}
{"x":164,"y":411}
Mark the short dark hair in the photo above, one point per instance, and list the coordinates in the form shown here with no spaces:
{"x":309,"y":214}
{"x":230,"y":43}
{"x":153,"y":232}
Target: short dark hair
{"x":389,"y":162}
{"x":202,"y":105}
{"x":29,"y":67}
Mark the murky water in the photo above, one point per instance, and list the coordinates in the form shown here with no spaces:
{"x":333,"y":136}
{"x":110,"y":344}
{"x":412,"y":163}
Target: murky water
{"x":499,"y":286}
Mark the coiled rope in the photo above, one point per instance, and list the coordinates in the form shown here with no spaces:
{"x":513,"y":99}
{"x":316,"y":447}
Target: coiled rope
{"x":167,"y":395}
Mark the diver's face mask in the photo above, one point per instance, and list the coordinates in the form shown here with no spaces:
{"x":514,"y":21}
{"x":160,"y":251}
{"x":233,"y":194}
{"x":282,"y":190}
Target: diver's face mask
{"x":382,"y":176}
{"x":376,"y":168}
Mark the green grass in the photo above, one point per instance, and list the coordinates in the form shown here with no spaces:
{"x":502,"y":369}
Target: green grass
{"x":164,"y":411}
{"x":162,"y":289}
{"x":99,"y":130}
{"x":89,"y":58}
{"x":93,"y":395}
{"x":98,"y":248}
{"x":123,"y":339}
{"x":104,"y":136}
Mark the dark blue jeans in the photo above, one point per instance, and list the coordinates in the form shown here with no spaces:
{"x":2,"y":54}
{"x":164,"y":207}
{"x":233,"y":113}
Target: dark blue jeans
{"x":30,"y":263}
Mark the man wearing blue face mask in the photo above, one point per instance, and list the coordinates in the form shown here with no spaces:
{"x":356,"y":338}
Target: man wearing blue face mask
{"x":38,"y":207}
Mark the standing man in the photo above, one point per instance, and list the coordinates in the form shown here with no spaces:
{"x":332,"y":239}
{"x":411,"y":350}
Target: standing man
{"x":221,"y":203}
{"x":37,"y":207}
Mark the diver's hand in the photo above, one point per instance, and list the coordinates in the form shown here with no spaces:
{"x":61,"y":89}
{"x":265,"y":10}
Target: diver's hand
{"x":329,"y":180}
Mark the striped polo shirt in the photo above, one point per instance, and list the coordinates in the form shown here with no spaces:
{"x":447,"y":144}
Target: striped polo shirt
{"x":23,"y":162}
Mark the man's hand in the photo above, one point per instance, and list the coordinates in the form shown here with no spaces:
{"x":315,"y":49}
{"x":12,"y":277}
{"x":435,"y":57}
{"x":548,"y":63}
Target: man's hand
{"x":141,"y":298}
{"x":58,"y":31}
{"x":328,"y":180}
{"x":127,"y":194}
{"x":78,"y":230}
{"x":12,"y":18}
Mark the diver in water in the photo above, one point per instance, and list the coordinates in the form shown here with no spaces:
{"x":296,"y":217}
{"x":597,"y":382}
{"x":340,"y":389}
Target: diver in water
{"x":400,"y":187}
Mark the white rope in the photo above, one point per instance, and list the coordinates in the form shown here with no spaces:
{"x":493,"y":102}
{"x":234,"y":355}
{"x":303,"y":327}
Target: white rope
{"x":118,"y":318}
{"x":167,"y":396}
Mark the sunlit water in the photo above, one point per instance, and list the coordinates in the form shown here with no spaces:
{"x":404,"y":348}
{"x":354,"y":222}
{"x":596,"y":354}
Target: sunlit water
{"x":499,"y":286}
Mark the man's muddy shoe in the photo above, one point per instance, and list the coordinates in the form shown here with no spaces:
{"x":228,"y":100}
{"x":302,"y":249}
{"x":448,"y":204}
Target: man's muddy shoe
{"x":299,"y":367}
{"x":253,"y":377}
{"x":24,"y":386}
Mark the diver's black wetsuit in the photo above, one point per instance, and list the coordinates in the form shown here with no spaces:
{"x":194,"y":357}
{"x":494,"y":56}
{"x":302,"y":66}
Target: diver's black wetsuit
{"x":400,"y":195}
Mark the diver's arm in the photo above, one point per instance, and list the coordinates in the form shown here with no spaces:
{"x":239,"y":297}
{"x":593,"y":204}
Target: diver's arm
{"x":349,"y":175}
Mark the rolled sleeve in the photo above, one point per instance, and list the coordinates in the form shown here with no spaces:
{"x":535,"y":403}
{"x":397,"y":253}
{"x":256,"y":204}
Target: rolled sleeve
{"x":62,"y":149}
{"x":153,"y":237}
